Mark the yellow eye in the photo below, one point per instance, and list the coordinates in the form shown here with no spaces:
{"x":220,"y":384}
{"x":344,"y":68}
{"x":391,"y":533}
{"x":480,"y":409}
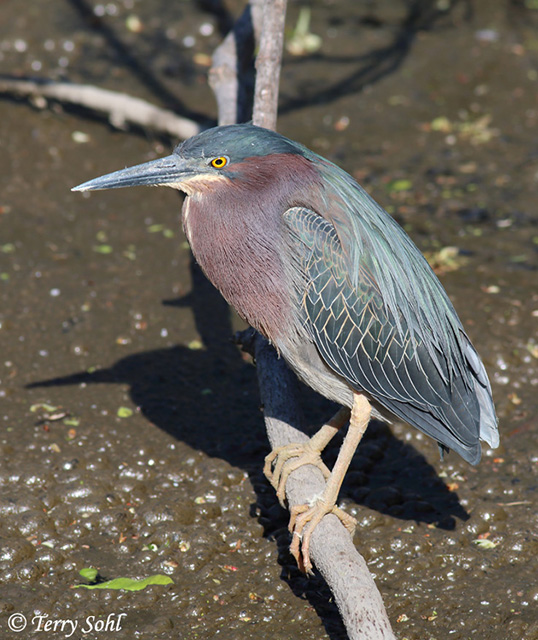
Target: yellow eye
{"x":220,"y":162}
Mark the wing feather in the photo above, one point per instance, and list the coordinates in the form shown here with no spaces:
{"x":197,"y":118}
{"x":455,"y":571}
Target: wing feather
{"x":386,"y":350}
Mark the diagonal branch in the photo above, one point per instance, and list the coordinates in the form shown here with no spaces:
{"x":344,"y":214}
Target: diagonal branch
{"x":120,"y":108}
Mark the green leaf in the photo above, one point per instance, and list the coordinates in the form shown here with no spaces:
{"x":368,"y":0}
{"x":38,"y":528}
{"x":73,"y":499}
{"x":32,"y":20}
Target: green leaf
{"x":441,"y":124}
{"x":125,"y":412}
{"x":41,"y":405}
{"x":485,"y":544}
{"x":303,"y":42}
{"x":400,"y":185}
{"x":128,"y":584}
{"x":103,"y":248}
{"x":89,"y":573}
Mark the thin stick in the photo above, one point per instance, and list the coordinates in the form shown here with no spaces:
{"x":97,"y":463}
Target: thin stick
{"x":268,"y":62}
{"x":120,"y":108}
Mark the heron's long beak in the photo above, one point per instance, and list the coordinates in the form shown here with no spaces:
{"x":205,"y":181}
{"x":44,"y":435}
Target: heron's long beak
{"x":171,"y":171}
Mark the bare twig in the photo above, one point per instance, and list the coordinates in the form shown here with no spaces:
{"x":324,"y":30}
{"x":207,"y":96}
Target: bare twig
{"x":268,"y":63}
{"x":120,"y":108}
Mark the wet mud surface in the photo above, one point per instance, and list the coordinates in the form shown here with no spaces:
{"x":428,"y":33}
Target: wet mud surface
{"x":132,"y":439}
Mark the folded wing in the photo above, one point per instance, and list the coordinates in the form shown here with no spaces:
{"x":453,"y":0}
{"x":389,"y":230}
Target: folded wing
{"x":375,"y":347}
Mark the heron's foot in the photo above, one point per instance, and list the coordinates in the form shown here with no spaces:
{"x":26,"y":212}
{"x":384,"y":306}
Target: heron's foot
{"x":284,"y":460}
{"x":304,"y":519}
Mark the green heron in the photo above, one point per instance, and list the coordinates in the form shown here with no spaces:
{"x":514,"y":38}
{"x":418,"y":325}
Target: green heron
{"x":308,"y":259}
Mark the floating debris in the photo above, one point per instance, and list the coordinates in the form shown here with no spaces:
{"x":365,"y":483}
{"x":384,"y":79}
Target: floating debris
{"x":485,"y":544}
{"x":302,"y":41}
{"x":445,"y":260}
{"x":80,"y":137}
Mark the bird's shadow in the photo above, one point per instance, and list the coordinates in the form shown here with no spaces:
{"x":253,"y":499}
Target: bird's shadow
{"x":209,"y":400}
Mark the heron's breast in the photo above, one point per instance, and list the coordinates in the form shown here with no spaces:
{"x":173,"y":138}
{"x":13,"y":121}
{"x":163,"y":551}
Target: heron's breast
{"x":241,"y":257}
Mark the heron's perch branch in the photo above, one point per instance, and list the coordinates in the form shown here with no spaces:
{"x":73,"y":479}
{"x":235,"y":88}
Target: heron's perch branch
{"x":331,"y":547}
{"x":120,"y":108}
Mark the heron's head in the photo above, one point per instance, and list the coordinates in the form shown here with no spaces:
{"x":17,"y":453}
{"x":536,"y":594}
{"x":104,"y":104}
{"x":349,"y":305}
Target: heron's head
{"x":216,"y":156}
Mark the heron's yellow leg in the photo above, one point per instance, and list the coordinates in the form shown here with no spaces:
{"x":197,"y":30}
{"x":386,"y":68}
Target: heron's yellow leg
{"x":305,"y":518}
{"x":283,"y":460}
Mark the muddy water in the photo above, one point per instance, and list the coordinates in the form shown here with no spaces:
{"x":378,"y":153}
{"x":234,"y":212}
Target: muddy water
{"x":132,"y":439}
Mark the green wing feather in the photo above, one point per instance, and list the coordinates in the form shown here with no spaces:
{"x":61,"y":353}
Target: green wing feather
{"x":380,"y":339}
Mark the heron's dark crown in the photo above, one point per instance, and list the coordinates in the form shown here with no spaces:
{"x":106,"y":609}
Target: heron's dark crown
{"x":237,"y":141}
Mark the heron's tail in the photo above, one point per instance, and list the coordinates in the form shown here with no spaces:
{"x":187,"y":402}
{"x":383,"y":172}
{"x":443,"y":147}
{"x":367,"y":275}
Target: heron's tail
{"x":489,"y":431}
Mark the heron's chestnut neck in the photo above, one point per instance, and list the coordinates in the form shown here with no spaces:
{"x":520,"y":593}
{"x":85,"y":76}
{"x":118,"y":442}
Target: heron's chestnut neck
{"x":235,"y":232}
